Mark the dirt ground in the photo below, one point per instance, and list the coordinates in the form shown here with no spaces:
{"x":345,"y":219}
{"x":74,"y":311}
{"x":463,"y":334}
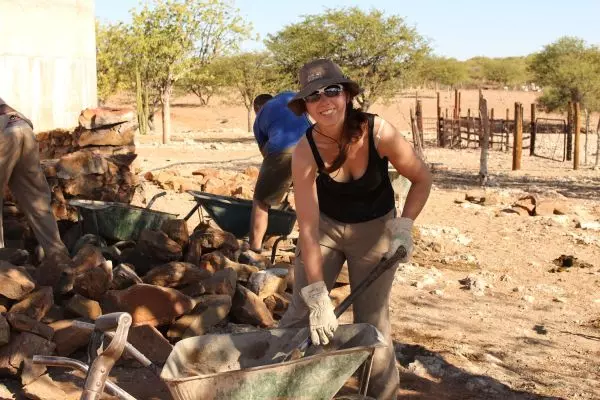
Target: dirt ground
{"x":517,"y":331}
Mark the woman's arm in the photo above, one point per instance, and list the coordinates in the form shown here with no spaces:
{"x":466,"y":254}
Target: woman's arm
{"x":404,"y":159}
{"x":304,"y":171}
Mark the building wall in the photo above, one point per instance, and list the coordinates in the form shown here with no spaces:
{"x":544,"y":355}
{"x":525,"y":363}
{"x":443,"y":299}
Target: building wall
{"x":48,"y":59}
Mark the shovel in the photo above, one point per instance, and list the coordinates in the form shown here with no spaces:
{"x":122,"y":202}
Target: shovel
{"x":379,"y":269}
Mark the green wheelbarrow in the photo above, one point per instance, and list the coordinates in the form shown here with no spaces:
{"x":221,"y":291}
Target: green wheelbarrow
{"x":233,"y":215}
{"x":118,"y":221}
{"x":237,"y":366}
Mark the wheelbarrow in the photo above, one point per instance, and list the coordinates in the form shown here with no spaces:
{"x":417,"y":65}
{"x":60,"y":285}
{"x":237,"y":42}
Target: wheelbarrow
{"x":233,"y":215}
{"x":118,"y":221}
{"x":233,"y":366}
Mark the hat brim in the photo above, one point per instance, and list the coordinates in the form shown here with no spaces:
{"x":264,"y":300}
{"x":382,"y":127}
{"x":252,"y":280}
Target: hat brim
{"x":297,"y":105}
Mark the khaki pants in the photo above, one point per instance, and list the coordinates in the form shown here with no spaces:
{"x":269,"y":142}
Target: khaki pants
{"x":362,"y":245}
{"x":20,"y":169}
{"x":275,"y":178}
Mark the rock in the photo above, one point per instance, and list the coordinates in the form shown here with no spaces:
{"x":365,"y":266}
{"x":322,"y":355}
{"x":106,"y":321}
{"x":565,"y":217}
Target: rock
{"x":36,"y":304}
{"x":44,"y":388}
{"x":176,"y":230}
{"x":528,"y":203}
{"x":215,"y":239}
{"x":21,"y":346}
{"x":94,"y":118}
{"x":248,"y":308}
{"x":216,"y":261}
{"x":266,"y":283}
{"x":158,"y":246}
{"x":475,"y":284}
{"x":85,"y":241}
{"x":222,"y":282}
{"x":141,"y":263}
{"x":56,"y":271}
{"x":176,"y":274}
{"x":589,"y":225}
{"x":148,"y":304}
{"x":545,"y":208}
{"x":150,"y":342}
{"x":18,"y":257}
{"x":216,"y":186}
{"x":523,"y":212}
{"x":209,"y":311}
{"x":55,"y":313}
{"x":343,"y":278}
{"x":278,"y":304}
{"x":4,"y":331}
{"x":5,"y":393}
{"x":243,"y":192}
{"x":83,"y":163}
{"x":15,"y":282}
{"x":528,"y":299}
{"x":23,"y":323}
{"x":117,"y":135}
{"x":194,"y":249}
{"x":93,"y":282}
{"x":69,"y":337}
{"x":84,"y":307}
{"x":559,"y":300}
{"x":4,"y":304}
{"x":124,"y":276}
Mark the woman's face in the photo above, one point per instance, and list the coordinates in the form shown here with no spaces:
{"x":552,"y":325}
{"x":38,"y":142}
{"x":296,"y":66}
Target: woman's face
{"x":327,"y":106}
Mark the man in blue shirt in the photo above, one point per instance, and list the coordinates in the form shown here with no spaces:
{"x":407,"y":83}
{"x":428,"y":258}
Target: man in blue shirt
{"x":277,"y":130}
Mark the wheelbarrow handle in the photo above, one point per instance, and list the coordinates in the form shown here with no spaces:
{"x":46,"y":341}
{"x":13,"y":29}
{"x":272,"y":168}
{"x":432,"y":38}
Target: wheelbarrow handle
{"x":153,"y":199}
{"x":380,"y":268}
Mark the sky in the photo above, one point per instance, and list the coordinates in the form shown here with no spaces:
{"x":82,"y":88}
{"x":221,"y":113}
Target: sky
{"x":461,"y":28}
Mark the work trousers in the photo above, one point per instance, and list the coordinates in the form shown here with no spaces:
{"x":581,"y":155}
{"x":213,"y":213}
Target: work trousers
{"x":20,"y":169}
{"x":361,"y":245}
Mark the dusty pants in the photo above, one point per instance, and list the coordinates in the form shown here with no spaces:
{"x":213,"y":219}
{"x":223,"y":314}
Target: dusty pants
{"x":20,"y":169}
{"x":362,"y":245}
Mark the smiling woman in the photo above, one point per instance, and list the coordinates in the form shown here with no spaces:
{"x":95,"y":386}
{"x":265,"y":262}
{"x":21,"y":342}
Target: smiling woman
{"x":346,"y":210}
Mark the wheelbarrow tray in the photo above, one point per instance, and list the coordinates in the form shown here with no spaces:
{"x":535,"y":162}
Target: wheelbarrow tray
{"x":118,"y":221}
{"x":233,"y":215}
{"x":241,"y":366}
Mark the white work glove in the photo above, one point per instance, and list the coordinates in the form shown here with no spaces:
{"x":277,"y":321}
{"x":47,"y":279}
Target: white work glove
{"x":399,"y":231}
{"x":323,"y":322}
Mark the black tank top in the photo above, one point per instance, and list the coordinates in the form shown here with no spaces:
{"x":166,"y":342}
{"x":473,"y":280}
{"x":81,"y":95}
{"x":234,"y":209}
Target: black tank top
{"x":366,"y":198}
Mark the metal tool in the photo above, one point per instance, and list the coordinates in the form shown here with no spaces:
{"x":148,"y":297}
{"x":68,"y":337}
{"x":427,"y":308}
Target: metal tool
{"x":379,"y":269}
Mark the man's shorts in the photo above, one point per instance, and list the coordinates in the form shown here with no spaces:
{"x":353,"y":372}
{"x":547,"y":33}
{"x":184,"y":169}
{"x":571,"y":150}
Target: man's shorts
{"x":274,"y":179}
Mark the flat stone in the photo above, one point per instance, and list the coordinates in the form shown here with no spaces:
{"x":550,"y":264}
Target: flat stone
{"x":157,"y":245}
{"x":176,"y":274}
{"x":208,"y":312}
{"x":35,"y":304}
{"x":44,"y":388}
{"x":21,"y":346}
{"x":266,"y":283}
{"x":4,"y":331}
{"x":69,"y":337}
{"x":150,"y":342}
{"x":117,"y":135}
{"x":148,"y":304}
{"x":176,"y":230}
{"x":124,"y":276}
{"x":248,"y":308}
{"x":15,"y":282}
{"x":84,"y":307}
{"x":23,"y":323}
{"x":94,"y":118}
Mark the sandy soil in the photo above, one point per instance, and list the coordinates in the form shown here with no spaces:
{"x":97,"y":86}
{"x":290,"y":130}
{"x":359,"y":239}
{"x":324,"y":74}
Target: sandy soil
{"x":520,"y":331}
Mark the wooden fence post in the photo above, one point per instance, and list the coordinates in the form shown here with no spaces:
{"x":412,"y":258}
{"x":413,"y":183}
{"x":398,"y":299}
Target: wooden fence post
{"x":569,"y":131}
{"x":576,"y":131}
{"x":483,"y":160}
{"x":533,"y":131}
{"x":506,"y":128}
{"x":491,"y":127}
{"x":419,"y":115}
{"x":518,"y":137}
{"x":439,"y":121}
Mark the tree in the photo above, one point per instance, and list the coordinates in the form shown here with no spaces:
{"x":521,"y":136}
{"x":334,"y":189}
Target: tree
{"x":569,"y":70}
{"x":251,"y":74}
{"x":111,"y":56}
{"x":508,"y":71}
{"x":443,"y":71}
{"x":376,"y":51}
{"x":173,"y":34}
{"x":203,"y":80}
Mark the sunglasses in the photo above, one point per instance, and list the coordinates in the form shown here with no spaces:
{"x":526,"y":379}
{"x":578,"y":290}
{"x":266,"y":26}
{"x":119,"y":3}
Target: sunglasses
{"x":329,"y":91}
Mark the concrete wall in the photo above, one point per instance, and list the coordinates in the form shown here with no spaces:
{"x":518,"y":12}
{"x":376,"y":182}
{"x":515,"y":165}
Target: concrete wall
{"x":48,"y":59}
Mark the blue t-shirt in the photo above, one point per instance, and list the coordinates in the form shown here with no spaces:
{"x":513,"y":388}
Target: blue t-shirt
{"x":276,"y":127}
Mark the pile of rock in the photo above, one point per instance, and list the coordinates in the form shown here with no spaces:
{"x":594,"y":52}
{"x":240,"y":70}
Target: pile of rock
{"x":94,"y":162}
{"x":173,"y":283}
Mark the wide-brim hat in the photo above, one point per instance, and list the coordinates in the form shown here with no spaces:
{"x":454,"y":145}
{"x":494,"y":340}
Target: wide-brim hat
{"x":318,"y":74}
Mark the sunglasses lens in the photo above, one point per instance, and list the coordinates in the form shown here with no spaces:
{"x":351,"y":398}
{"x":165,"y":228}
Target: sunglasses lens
{"x":311,"y":98}
{"x":333,"y":91}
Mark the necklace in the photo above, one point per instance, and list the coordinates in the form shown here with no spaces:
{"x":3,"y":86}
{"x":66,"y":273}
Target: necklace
{"x":327,"y":136}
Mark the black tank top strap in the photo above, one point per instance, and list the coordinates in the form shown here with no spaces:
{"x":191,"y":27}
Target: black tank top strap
{"x":315,"y":150}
